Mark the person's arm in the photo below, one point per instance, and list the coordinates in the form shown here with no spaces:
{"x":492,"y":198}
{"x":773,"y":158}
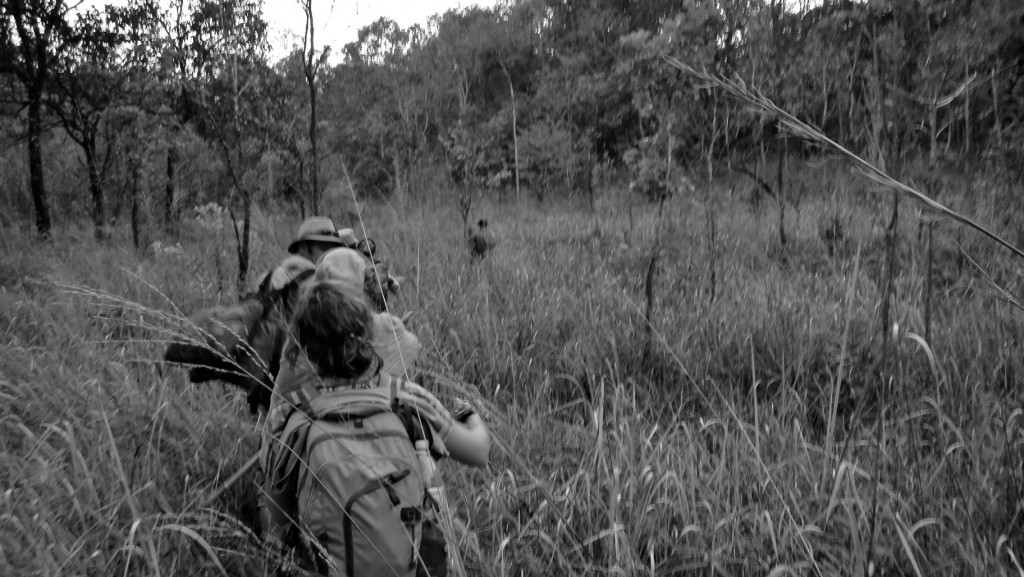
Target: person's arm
{"x":468,"y":442}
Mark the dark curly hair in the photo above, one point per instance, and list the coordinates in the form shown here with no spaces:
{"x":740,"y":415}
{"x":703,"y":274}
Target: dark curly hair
{"x":332,"y":327}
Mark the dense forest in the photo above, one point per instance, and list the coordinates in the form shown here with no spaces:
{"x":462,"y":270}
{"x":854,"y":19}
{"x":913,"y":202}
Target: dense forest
{"x":751,"y":305}
{"x":161,"y":106}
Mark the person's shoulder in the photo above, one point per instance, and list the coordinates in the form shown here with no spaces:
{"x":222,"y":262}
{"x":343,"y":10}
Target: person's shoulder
{"x":414,"y":388}
{"x":295,"y":377}
{"x":291,"y":268}
{"x":386,"y":320}
{"x":421,"y":396}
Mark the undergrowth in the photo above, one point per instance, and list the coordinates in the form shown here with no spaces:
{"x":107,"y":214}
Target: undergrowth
{"x":774,"y":426}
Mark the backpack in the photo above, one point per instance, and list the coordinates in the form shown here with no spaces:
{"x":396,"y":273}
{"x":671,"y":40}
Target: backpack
{"x":360,"y":494}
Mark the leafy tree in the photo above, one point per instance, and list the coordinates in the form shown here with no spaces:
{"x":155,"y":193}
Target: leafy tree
{"x":87,"y":81}
{"x":228,"y":51}
{"x":34,"y":34}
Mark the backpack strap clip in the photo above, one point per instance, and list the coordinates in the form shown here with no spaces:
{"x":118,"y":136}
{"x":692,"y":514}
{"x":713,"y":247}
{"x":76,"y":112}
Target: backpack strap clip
{"x":392,"y":383}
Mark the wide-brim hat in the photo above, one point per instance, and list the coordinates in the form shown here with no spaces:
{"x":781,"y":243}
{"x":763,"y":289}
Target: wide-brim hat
{"x":316,"y":229}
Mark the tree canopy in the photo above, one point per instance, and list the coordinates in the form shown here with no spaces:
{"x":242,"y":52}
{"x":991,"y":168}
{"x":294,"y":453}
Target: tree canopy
{"x":537,"y":93}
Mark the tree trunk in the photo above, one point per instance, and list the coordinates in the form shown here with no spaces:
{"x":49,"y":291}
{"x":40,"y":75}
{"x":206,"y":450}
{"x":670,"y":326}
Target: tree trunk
{"x":851,"y":92}
{"x":95,"y":187}
{"x":171,"y":188}
{"x":401,"y":183}
{"x":780,"y":194}
{"x":135,"y":205}
{"x":875,"y":100}
{"x":310,"y":69}
{"x":652,"y":274}
{"x":711,"y":220}
{"x":35,"y":164}
{"x":515,"y":137}
{"x":889,"y":295}
{"x":119,"y":195}
{"x":652,"y":271}
{"x":314,"y":167}
{"x":243,"y":246}
{"x":302,"y":186}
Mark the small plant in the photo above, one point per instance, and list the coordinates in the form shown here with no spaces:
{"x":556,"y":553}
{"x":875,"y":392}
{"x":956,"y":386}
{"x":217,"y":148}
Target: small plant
{"x":211,"y":216}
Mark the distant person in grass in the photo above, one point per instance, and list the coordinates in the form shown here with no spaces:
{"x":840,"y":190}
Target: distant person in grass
{"x":480,"y":240}
{"x":331,"y":354}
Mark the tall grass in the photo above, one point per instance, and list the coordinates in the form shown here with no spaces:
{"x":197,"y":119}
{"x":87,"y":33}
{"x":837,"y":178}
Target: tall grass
{"x":715,"y":456}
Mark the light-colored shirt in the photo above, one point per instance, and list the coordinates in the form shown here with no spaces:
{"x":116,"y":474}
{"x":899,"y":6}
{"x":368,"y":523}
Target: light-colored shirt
{"x":397,"y":348}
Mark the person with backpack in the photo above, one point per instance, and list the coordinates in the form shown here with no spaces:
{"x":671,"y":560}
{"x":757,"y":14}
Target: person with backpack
{"x":241,"y":343}
{"x":342,"y":470}
{"x":316,"y":236}
{"x":397,"y":347}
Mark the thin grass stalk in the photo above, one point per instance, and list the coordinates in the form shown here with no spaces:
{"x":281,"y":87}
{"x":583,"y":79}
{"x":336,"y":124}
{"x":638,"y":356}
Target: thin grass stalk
{"x":146,"y":539}
{"x":833,"y":408}
{"x":753,"y":393}
{"x":1003,"y":292}
{"x":928,"y":285}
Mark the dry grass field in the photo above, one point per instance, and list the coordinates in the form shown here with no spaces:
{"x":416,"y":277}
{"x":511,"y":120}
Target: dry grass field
{"x":768,"y":429}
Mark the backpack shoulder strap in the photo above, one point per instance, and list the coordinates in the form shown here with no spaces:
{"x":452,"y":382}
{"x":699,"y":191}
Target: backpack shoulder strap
{"x":405,"y":406}
{"x":268,"y":293}
{"x":302,"y":276}
{"x":394,"y":385}
{"x":296,"y":385}
{"x":349,"y":403}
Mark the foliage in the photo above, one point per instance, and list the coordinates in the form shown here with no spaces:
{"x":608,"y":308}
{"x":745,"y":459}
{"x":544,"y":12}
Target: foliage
{"x":772,"y":431}
{"x":706,"y":457}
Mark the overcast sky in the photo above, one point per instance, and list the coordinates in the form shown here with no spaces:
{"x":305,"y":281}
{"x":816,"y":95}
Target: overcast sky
{"x":337,"y":21}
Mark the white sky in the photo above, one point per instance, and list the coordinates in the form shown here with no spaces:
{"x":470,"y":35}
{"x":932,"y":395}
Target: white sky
{"x":337,"y":21}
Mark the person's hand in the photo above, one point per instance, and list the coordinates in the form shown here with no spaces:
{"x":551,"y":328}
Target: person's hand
{"x":407,"y":317}
{"x":462,"y":411}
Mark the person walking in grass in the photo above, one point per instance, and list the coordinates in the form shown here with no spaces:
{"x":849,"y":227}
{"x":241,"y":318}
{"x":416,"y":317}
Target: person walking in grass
{"x":241,"y":344}
{"x":316,"y":235}
{"x":277,"y":291}
{"x":396,"y":346}
{"x":338,"y":440}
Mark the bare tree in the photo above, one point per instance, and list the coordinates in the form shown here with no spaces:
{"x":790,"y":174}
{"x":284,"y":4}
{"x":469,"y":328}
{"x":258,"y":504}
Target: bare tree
{"x":312,"y":63}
